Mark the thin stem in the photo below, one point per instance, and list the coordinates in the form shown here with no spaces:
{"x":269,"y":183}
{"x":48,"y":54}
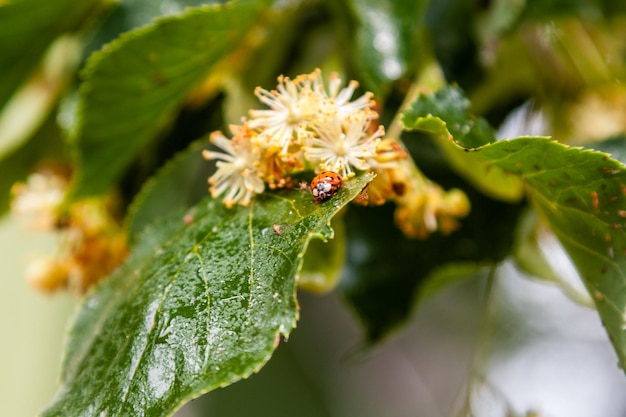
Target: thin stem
{"x":478,"y":361}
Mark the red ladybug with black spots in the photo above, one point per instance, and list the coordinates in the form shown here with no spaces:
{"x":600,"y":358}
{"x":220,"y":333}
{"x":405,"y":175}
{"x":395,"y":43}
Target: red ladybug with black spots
{"x":325,"y":185}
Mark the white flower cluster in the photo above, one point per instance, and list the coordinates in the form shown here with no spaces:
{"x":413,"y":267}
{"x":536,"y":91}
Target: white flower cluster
{"x":305,"y":127}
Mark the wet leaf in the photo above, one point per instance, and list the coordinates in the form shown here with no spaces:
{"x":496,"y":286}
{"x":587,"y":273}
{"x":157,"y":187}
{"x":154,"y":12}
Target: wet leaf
{"x":201,"y":303}
{"x":386,"y":39}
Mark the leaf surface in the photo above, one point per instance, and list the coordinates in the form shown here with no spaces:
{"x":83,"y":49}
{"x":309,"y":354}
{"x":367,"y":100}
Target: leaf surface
{"x":581,"y":194}
{"x":179,"y":184}
{"x":27,"y":28}
{"x":446,"y":114}
{"x":135,"y":85}
{"x":201,"y":303}
{"x":386,"y":39}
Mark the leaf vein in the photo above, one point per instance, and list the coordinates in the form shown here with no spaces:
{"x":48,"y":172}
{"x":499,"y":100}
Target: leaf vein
{"x":278,"y":250}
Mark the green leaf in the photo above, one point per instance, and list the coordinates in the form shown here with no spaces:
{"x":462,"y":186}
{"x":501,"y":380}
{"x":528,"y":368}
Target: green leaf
{"x":581,"y":194}
{"x":616,"y":146}
{"x":446,"y":114}
{"x":27,"y":28}
{"x":131,"y":14}
{"x":135,"y":85}
{"x":386,"y":39}
{"x":499,"y":18}
{"x":29,"y":107}
{"x":452,"y":34}
{"x":181,"y":183}
{"x":550,"y":10}
{"x":201,"y":303}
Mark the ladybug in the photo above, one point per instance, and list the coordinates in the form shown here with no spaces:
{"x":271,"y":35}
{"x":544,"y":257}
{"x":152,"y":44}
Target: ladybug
{"x":325,"y":185}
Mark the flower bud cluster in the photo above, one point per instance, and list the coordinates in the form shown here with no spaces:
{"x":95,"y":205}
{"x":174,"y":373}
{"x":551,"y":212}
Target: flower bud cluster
{"x":306,"y":126}
{"x":91,"y":241}
{"x":309,"y":127}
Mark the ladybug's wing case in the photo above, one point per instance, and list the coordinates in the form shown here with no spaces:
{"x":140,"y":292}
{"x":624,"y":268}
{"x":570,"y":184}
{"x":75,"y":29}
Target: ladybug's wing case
{"x":325,"y":185}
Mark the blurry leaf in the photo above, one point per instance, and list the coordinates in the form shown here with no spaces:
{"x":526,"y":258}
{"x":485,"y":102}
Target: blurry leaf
{"x":135,"y":85}
{"x":498,"y":19}
{"x":531,"y":254}
{"x":201,"y":303}
{"x":131,"y":14}
{"x":45,"y":147}
{"x":441,"y":278}
{"x":446,"y":114}
{"x":451,"y":25}
{"x":581,"y":194}
{"x":29,"y":107}
{"x":27,"y":28}
{"x":613,"y":8}
{"x":548,"y":10}
{"x":177,"y":186}
{"x":559,"y":63}
{"x":386,"y":39}
{"x":386,"y":273}
{"x":528,"y":254}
